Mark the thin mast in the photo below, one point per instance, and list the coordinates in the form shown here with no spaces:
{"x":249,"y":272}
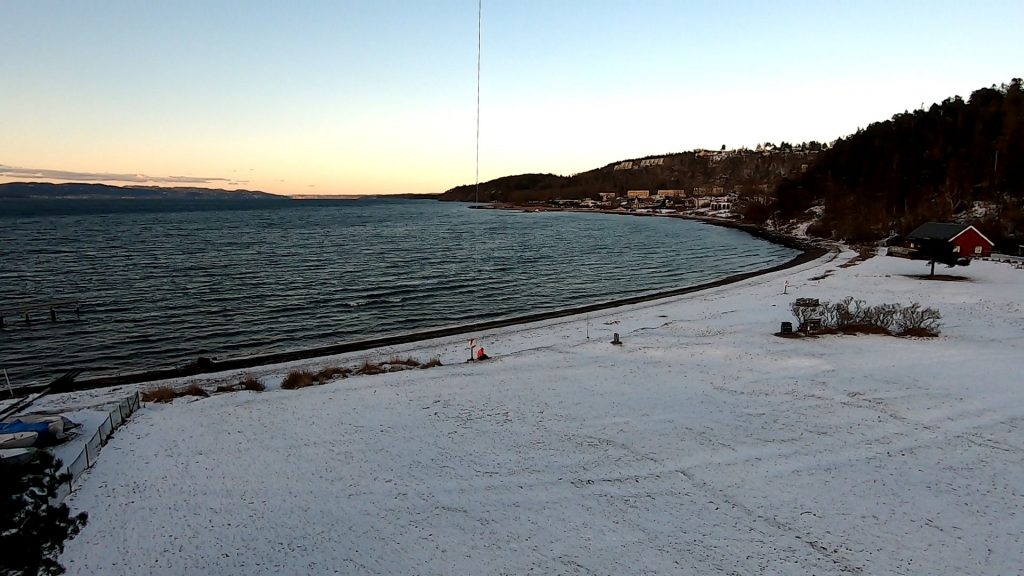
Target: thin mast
{"x":479,"y":21}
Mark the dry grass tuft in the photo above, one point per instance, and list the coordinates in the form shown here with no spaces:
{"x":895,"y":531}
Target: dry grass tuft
{"x":250,"y":382}
{"x":297,"y":379}
{"x":435,"y":361}
{"x":194,"y":390}
{"x":369,"y":368}
{"x":330,"y":373}
{"x":399,"y":361}
{"x":168,"y":393}
{"x":161,"y":394}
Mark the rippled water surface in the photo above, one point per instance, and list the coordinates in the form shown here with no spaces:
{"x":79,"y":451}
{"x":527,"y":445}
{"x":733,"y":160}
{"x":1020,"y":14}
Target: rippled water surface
{"x":163,"y":282}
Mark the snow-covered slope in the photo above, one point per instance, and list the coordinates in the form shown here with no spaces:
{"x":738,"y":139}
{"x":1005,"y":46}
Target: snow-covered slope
{"x":702,"y":445}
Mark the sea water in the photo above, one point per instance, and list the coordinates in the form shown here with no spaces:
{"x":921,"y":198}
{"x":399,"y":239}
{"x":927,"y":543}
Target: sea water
{"x":162,"y":282}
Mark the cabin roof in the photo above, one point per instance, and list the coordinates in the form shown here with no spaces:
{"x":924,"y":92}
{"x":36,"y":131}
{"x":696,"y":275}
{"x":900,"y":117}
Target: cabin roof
{"x":936,"y":231}
{"x":943,"y":231}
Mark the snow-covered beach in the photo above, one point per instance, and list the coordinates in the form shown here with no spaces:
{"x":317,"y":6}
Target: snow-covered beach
{"x":703,"y":445}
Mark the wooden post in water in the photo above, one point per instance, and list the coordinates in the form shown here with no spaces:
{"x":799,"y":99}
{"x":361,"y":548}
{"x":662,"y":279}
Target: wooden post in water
{"x":53,"y":314}
{"x":28,"y":319}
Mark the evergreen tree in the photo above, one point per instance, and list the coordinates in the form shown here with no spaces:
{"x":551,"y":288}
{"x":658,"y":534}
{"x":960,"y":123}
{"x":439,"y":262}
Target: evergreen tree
{"x":32,"y":528}
{"x":921,"y":165}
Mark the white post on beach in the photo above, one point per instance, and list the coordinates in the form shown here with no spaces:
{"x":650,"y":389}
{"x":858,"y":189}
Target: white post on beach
{"x":472,"y":345}
{"x":785,"y":289}
{"x":8,"y":383}
{"x":588,"y":326}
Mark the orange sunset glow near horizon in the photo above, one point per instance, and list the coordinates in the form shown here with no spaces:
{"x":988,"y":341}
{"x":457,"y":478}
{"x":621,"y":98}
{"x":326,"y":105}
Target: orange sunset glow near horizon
{"x":379,"y":98}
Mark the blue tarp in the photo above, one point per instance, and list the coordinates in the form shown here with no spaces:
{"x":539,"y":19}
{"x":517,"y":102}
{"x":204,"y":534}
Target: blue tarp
{"x":40,"y":428}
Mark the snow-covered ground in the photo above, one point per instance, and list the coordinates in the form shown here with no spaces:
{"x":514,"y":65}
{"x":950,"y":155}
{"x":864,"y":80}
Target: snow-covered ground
{"x":702,"y":445}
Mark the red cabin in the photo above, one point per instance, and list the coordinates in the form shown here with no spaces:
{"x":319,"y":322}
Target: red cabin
{"x":967,"y":241}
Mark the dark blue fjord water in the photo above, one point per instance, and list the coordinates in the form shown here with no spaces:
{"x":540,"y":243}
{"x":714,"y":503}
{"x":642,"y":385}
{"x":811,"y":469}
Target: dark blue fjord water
{"x":163,"y":282}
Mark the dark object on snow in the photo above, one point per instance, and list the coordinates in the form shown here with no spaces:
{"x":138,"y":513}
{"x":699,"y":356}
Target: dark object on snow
{"x":786,"y":328}
{"x":615,"y":339}
{"x":33,"y":528}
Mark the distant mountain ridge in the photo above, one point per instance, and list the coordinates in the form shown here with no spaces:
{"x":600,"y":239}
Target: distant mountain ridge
{"x":72,"y":190}
{"x":709,"y":172}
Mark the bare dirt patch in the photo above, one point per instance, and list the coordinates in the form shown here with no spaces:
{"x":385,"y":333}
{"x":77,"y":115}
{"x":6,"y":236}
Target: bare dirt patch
{"x":939,"y":277}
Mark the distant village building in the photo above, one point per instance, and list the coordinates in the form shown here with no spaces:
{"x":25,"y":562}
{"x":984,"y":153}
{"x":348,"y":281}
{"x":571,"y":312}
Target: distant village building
{"x":638,"y":194}
{"x":717,"y":190}
{"x":608,"y":196}
{"x":652,"y":162}
{"x":720,"y":204}
{"x":624,"y":165}
{"x":698,"y":202}
{"x":671,"y":193}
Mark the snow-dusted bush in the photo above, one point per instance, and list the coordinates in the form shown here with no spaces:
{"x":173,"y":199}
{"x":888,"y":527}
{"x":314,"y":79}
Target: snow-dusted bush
{"x":915,"y":320}
{"x":804,"y":313}
{"x":850,"y":314}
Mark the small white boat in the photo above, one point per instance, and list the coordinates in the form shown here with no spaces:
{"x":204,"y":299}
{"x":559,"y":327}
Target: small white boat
{"x":56,"y":424}
{"x":18,"y":440}
{"x":16,"y":455}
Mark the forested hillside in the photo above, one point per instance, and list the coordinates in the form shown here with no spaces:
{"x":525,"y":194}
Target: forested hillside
{"x":956,"y":160}
{"x":745,"y":172}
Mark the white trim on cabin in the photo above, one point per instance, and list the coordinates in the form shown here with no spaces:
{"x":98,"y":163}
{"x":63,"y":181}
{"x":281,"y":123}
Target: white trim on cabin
{"x":991,"y":243}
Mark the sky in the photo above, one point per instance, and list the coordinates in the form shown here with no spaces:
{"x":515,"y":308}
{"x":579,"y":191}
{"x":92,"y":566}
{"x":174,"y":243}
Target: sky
{"x":378,"y":97}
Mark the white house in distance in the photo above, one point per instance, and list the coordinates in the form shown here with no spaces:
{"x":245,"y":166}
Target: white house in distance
{"x":636,"y":194}
{"x":608,"y":196}
{"x":721,"y":203}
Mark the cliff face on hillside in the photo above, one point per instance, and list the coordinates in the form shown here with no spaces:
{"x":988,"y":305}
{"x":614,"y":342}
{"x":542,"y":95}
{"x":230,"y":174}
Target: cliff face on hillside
{"x":743,"y":172}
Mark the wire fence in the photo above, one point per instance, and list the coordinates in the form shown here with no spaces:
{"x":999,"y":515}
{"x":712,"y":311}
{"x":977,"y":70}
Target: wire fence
{"x":117,"y":416}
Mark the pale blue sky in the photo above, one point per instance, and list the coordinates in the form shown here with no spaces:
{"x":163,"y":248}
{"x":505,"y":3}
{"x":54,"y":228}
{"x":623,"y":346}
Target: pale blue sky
{"x":350,"y":97}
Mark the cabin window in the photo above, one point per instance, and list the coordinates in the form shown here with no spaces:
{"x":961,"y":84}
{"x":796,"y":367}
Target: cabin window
{"x":977,"y":249}
{"x":956,"y":249}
